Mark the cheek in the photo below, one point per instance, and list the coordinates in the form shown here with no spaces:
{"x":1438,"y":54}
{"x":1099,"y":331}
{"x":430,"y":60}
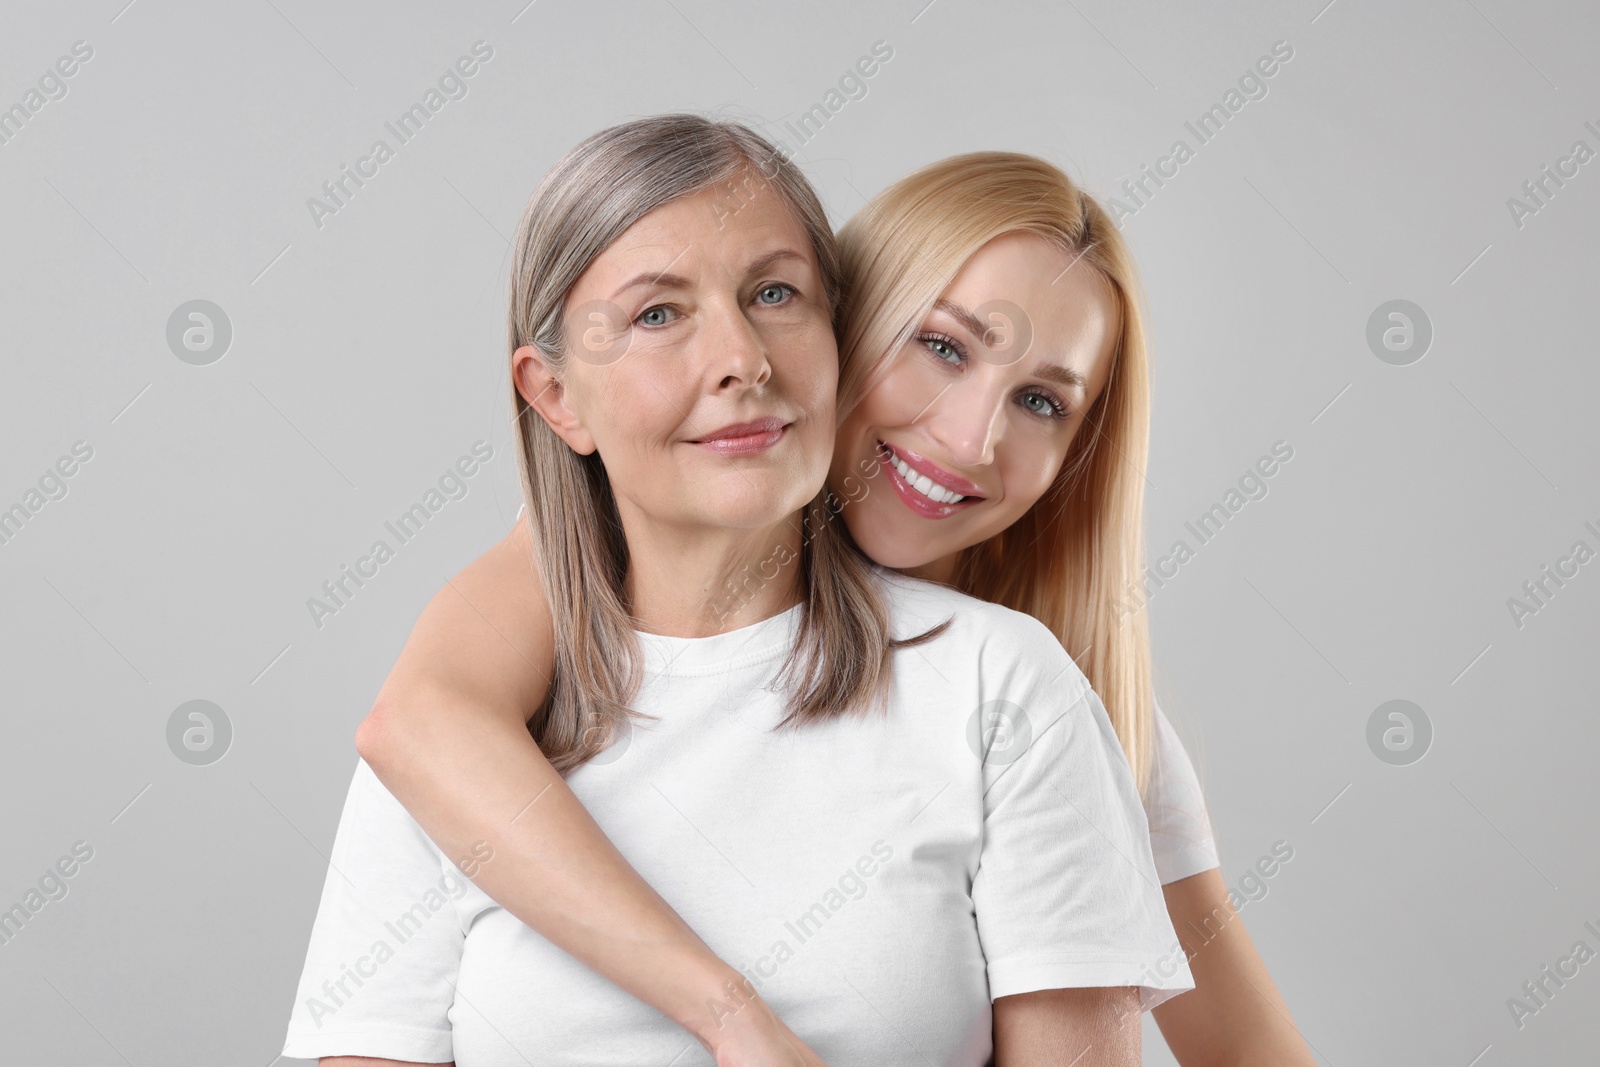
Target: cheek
{"x":911,"y":383}
{"x":819,"y":394}
{"x":898,"y":394}
{"x":805,"y":362}
{"x":823,"y":370}
{"x":629,"y":412}
{"x":1027,"y":472}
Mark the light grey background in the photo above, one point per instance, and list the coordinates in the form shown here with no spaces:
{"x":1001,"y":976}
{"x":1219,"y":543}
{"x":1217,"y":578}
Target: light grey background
{"x":367,"y":356}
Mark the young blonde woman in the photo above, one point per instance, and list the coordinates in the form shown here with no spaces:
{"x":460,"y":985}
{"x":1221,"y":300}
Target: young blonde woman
{"x":994,"y":412}
{"x":807,"y":769}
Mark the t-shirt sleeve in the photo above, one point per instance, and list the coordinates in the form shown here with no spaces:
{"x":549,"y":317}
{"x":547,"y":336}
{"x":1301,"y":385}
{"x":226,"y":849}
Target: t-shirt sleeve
{"x":385,"y":950}
{"x":1066,"y":892}
{"x":1180,"y":828}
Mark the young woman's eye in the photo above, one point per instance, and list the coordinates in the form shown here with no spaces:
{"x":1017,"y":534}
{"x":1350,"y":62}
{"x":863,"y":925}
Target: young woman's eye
{"x":659,"y":315}
{"x":774,"y":294}
{"x":1043,"y":404}
{"x":943,"y":348}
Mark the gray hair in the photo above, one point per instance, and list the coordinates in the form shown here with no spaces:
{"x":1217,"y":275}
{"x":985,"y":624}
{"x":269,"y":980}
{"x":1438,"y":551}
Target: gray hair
{"x":619,"y":175}
{"x":841,"y":656}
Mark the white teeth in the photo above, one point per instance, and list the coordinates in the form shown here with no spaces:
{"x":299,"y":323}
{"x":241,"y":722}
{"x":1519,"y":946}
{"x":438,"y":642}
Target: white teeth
{"x":923,"y":484}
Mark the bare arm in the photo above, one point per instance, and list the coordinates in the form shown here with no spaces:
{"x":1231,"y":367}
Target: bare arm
{"x":448,"y":737}
{"x":1060,"y":1027}
{"x":1234,"y":1015}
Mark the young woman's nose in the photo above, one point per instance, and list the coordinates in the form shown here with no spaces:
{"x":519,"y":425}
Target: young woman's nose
{"x":965,"y":421}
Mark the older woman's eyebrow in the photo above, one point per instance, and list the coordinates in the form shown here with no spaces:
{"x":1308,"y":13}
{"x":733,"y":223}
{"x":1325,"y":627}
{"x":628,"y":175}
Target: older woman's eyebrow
{"x":677,"y":281}
{"x":652,"y":278}
{"x":775,"y":256}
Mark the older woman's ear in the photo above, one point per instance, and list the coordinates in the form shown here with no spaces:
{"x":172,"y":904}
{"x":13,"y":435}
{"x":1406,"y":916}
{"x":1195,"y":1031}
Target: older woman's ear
{"x":542,"y":389}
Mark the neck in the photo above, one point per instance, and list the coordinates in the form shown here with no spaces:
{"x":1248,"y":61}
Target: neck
{"x":941,"y":570}
{"x":699,"y":581}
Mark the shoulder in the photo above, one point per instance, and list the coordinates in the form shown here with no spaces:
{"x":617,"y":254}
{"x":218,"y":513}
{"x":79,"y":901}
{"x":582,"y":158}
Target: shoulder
{"x":916,"y":605}
{"x":995,"y":637}
{"x":1181,"y":835}
{"x":1171,"y":769}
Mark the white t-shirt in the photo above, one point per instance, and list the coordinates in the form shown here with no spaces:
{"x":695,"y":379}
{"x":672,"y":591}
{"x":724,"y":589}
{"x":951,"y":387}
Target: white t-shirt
{"x":880,"y":878}
{"x":1180,"y":828}
{"x":1181,"y":837}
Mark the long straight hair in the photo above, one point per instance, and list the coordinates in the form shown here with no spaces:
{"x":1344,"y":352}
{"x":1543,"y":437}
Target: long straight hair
{"x":1070,"y":559}
{"x":841,"y":656}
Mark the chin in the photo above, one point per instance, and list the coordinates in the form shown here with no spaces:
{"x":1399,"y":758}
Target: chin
{"x":760,"y":506}
{"x":887,"y":547}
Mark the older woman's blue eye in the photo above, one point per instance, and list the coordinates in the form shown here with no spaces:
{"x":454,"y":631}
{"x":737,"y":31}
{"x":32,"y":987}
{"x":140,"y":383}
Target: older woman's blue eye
{"x":656,"y":316}
{"x":773,"y":294}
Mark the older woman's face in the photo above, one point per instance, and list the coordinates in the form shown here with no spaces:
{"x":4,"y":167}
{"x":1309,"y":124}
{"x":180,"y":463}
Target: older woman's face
{"x":702,"y":364}
{"x":966,"y":427}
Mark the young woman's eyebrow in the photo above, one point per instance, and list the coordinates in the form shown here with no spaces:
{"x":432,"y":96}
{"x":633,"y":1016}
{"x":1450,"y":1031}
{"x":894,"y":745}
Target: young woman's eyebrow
{"x":969,"y":322}
{"x":1065,"y":377}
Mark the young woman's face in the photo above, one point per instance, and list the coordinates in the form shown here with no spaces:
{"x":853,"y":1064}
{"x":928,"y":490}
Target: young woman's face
{"x":702,"y":364}
{"x":970,"y":421}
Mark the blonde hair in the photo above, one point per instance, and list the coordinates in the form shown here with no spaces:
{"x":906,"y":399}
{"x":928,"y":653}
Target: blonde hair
{"x":1070,"y":558}
{"x":841,"y":655}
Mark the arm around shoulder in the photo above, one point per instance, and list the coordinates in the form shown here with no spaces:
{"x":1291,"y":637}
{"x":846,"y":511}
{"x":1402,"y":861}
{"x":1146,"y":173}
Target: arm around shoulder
{"x":483,"y":645}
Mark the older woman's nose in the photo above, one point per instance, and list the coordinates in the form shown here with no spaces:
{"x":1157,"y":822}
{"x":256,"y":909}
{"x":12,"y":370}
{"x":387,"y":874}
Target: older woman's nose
{"x":734,"y":351}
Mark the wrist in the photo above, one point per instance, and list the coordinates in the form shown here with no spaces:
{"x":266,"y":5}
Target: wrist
{"x":721,"y":1003}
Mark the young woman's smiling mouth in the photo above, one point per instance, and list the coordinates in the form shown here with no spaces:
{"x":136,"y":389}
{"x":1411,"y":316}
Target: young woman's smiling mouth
{"x":925,"y":487}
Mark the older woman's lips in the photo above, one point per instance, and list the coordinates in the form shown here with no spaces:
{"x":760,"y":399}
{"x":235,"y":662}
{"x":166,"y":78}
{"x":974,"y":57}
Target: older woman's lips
{"x":744,"y":438}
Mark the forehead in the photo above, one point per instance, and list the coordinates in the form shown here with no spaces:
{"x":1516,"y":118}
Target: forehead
{"x":1051,"y":283}
{"x":1071,"y":312}
{"x":721,"y":227}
